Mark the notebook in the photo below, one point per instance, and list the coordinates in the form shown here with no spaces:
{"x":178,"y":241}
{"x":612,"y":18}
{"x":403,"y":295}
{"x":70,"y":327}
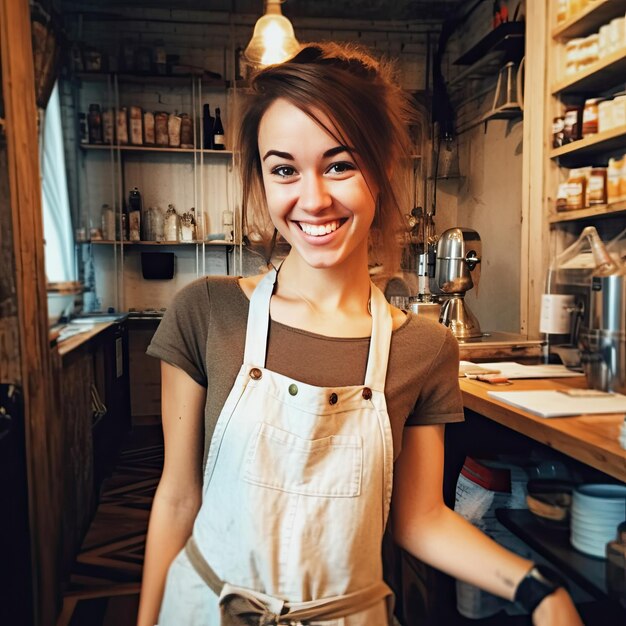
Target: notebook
{"x":559,"y":404}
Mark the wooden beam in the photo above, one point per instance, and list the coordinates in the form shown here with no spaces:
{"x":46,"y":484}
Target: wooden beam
{"x":36,"y":375}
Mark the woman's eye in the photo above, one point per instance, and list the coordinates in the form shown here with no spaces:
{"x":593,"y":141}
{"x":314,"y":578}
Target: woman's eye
{"x":341,"y":168}
{"x":284,"y":171}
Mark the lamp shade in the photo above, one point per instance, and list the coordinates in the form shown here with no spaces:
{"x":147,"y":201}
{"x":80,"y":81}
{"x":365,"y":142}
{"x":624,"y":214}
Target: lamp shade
{"x":273,"y":40}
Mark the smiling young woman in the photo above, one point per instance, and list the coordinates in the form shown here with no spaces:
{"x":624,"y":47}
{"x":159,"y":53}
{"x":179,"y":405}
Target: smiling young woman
{"x":322,"y":406}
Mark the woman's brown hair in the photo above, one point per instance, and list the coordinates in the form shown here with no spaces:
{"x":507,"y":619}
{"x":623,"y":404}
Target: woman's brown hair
{"x":369,"y":111}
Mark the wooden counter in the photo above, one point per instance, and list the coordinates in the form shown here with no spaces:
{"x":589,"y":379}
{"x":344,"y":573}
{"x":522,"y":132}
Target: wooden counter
{"x":591,"y":439}
{"x":73,"y":342}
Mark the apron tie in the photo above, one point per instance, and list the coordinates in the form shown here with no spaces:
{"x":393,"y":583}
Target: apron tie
{"x":240,"y":606}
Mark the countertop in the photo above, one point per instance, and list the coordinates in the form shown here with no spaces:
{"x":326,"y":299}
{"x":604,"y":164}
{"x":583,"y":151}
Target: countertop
{"x":89,"y":327}
{"x":591,"y":439}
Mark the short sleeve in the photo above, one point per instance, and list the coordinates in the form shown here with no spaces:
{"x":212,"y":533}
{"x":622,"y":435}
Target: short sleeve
{"x":440,"y":400}
{"x":181,"y":336}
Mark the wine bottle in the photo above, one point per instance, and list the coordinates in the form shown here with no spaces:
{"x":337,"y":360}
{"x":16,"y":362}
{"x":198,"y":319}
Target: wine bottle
{"x":207,"y":128}
{"x":218,"y":132}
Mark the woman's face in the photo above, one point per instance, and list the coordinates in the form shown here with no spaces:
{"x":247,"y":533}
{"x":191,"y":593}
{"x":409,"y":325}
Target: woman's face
{"x":317,"y":195}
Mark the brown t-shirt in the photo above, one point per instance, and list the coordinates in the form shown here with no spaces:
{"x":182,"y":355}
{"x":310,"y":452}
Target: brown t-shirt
{"x":203,"y":333}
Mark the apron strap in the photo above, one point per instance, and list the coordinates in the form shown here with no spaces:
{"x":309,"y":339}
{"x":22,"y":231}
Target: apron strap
{"x":258,"y":327}
{"x":382,"y":324}
{"x":259,"y":321}
{"x":240,"y":606}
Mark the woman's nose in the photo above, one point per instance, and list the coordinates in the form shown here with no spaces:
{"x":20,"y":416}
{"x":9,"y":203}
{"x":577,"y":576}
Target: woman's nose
{"x":314,"y":193}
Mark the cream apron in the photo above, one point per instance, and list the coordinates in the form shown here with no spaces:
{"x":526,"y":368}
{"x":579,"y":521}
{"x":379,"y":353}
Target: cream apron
{"x":296,"y":495}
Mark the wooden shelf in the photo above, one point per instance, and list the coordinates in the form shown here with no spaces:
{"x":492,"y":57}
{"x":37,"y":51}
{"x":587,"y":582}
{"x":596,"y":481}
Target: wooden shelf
{"x":212,"y":242}
{"x":589,"y":20}
{"x":602,"y":75}
{"x":92,"y":146}
{"x":553,"y":544}
{"x":606,"y":141}
{"x":124,"y":78}
{"x":602,"y":210}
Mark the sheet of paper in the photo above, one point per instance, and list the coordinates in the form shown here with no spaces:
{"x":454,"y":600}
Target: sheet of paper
{"x":558,"y":404}
{"x":517,"y":370}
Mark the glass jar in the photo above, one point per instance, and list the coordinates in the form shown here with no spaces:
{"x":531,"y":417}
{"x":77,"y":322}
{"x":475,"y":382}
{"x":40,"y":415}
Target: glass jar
{"x":618,"y":110}
{"x":562,"y":11}
{"x":596,"y":186}
{"x":590,"y":116}
{"x":572,"y":48}
{"x":588,"y":52}
{"x":572,"y":123}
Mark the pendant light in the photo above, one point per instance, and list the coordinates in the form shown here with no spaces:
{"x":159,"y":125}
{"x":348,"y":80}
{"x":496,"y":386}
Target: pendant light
{"x":273,"y":40}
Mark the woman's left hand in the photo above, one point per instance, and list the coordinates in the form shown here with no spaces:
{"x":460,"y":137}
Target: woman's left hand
{"x":557,"y":609}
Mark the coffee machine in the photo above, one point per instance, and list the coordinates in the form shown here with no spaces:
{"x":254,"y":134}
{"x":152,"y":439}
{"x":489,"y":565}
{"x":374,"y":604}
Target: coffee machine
{"x":593,"y":277}
{"x":457,"y":270}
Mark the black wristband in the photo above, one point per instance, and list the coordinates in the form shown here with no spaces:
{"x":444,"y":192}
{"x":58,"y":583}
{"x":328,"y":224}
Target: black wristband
{"x":539,"y":582}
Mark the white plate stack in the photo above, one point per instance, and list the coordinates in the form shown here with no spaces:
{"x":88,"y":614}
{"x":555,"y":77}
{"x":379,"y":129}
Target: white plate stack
{"x":596,"y":512}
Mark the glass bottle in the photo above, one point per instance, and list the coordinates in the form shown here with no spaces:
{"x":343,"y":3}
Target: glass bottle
{"x":218,"y":132}
{"x":207,"y":127}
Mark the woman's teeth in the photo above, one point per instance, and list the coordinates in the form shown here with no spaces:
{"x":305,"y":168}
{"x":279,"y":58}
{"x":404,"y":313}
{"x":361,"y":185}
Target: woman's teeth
{"x":316,"y":230}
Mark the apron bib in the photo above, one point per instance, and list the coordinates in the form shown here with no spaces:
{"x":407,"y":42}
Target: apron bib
{"x":296,"y":493}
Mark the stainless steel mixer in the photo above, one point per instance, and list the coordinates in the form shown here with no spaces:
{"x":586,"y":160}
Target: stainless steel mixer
{"x":458,"y":255}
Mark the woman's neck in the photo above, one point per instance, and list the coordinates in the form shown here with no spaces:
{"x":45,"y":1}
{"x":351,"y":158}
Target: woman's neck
{"x":328,"y":301}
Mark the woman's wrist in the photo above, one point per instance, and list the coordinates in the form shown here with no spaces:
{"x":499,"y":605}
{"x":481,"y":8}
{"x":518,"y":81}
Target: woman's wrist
{"x":540,"y":582}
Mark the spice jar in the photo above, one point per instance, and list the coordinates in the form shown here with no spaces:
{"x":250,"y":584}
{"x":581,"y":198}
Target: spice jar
{"x":562,"y":11}
{"x":590,"y":116}
{"x":94,"y":124}
{"x":572,"y":123}
{"x":596,"y":186}
{"x":558,"y":124}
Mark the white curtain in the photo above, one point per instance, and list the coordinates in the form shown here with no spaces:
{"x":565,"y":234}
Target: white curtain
{"x":57,"y":222}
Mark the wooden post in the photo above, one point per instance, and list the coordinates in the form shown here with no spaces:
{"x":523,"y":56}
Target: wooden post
{"x":23,"y":321}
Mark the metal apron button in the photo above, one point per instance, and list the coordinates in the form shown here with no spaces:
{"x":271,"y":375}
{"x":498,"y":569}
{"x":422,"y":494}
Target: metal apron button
{"x":333,"y":398}
{"x":255,"y":373}
{"x":293,"y":389}
{"x":367,"y":393}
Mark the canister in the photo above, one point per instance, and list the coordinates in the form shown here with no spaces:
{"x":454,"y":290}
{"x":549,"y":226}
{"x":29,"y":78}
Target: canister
{"x":148,"y":128}
{"x":618,"y":110}
{"x":596,"y":186}
{"x":160,"y":128}
{"x":590,"y":116}
{"x":122,"y":126}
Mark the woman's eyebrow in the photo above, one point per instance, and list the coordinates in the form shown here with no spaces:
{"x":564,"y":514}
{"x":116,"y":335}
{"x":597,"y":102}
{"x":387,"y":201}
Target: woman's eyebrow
{"x":282,"y":155}
{"x":328,"y":154}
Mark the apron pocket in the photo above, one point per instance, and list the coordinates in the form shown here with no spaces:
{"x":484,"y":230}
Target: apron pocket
{"x":327,"y":467}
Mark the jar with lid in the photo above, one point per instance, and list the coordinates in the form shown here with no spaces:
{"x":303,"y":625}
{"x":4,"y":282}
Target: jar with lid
{"x":572,"y":123}
{"x":135,"y":117}
{"x":562,"y":11}
{"x":108,"y":222}
{"x":572,"y":48}
{"x":576,"y":189}
{"x":158,"y":224}
{"x":160,"y":128}
{"x":590,"y":116}
{"x":108,"y":126}
{"x":588,"y":52}
{"x":596,"y":186}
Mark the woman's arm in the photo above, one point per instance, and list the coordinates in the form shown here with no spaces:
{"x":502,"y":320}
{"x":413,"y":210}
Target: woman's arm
{"x":425,"y":527}
{"x":178,"y":495}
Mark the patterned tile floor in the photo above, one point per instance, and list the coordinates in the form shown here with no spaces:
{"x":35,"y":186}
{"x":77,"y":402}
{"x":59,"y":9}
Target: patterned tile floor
{"x":105,"y":580}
